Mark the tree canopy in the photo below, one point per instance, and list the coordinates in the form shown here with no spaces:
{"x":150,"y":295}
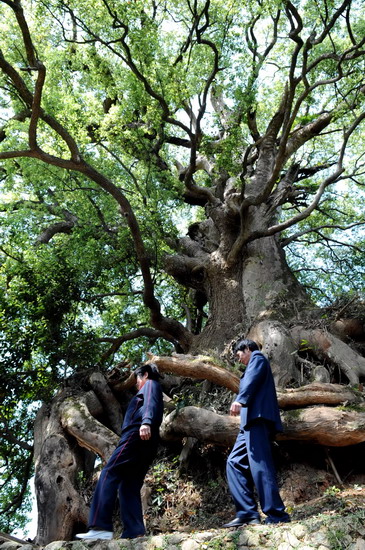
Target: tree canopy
{"x":171,"y":172}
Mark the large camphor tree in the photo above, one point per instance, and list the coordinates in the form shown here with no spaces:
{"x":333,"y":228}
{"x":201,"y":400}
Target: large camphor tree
{"x":175,"y":174}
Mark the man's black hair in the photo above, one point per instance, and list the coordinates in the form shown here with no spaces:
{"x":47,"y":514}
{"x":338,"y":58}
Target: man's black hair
{"x":245,"y":343}
{"x":151,"y":369}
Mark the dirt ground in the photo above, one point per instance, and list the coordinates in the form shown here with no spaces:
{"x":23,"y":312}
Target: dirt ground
{"x":196,"y":497}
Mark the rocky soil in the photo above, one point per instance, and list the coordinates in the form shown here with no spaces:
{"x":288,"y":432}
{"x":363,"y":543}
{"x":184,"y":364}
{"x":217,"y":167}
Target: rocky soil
{"x":335,"y":521}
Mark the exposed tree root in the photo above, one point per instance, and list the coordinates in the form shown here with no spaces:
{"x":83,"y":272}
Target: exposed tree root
{"x":110,"y":404}
{"x":198,"y":367}
{"x":322,"y":425}
{"x":327,"y":346}
{"x":277,"y":344}
{"x":202,"y":424}
{"x":76,"y":419}
{"x":316,"y":394}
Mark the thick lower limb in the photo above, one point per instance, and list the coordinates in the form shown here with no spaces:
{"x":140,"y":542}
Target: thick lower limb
{"x":258,"y":438}
{"x":240,"y":480}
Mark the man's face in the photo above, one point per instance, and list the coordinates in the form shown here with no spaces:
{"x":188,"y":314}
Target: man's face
{"x":141,"y":380}
{"x":243,"y":356}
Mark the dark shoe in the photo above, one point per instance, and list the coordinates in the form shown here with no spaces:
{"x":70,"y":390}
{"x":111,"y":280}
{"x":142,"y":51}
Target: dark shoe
{"x":237,"y":522}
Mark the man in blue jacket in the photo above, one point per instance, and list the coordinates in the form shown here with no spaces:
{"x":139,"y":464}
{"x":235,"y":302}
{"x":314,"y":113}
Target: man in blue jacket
{"x":251,"y":462}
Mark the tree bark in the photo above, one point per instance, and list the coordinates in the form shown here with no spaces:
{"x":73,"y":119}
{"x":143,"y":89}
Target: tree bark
{"x":321,"y":425}
{"x":325,"y":426}
{"x":110,"y":404}
{"x":76,"y":420}
{"x":198,"y":367}
{"x":257,"y":287}
{"x":326,"y":346}
{"x":277,"y":344}
{"x":317,"y":394}
{"x":57,"y":462}
{"x":65,"y":433}
{"x":202,"y":424}
{"x":203,"y":368}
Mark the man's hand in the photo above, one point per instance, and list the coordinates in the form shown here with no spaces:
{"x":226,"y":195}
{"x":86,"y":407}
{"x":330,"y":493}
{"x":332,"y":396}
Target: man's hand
{"x":145,"y":432}
{"x":235,"y":409}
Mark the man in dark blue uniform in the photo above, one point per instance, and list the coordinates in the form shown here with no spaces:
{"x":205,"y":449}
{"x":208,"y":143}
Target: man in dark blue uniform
{"x":128,"y":465}
{"x":251,"y":462}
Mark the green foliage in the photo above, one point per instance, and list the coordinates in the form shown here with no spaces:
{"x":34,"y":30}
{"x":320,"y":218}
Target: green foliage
{"x":222,"y":543}
{"x":304,"y":345}
{"x":164,"y":476}
{"x":16,"y":463}
{"x":339,"y":529}
{"x":332,"y":491}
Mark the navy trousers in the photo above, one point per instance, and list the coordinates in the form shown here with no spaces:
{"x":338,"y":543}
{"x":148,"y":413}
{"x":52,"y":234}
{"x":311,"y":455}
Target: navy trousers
{"x":124,"y":474}
{"x":250,"y":465}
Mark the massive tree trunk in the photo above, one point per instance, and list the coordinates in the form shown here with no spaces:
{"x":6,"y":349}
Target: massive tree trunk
{"x":258,"y":286}
{"x":67,"y":437}
{"x":257,"y":295}
{"x":57,"y":464}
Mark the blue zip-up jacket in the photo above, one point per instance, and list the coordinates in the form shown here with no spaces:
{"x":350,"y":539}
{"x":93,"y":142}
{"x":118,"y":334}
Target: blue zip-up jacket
{"x":257,"y":393}
{"x":145,"y":408}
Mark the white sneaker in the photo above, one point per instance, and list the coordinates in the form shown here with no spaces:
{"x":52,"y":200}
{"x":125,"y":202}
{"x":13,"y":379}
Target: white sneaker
{"x":93,"y":534}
